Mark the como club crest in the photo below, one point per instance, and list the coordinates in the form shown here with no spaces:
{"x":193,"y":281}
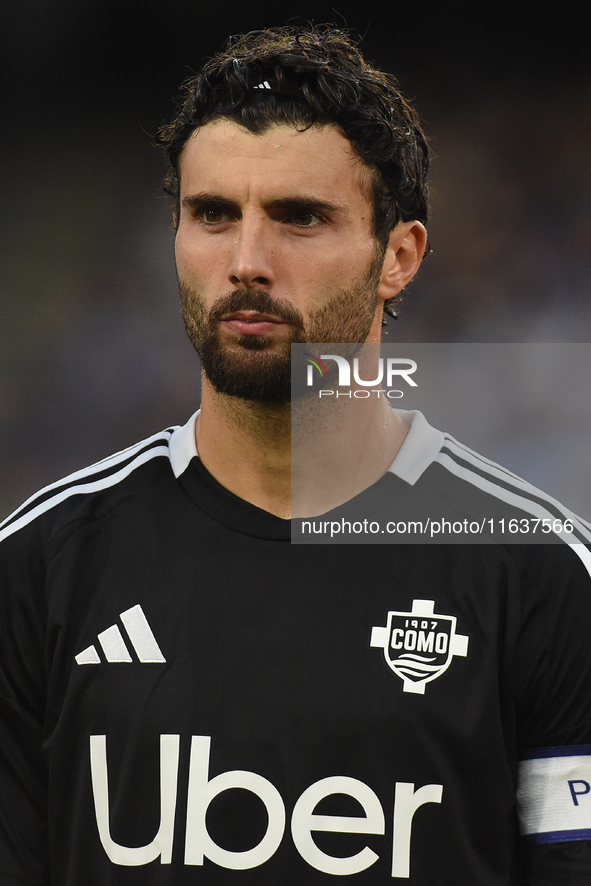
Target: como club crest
{"x":419,"y":645}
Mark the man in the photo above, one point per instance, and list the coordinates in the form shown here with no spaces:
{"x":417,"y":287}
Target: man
{"x":188,"y":698}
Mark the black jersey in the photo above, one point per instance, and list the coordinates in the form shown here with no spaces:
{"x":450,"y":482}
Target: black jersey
{"x":186,"y":697}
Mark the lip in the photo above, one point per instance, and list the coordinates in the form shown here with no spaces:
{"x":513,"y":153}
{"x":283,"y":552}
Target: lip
{"x":251,"y":322}
{"x":252,"y":317}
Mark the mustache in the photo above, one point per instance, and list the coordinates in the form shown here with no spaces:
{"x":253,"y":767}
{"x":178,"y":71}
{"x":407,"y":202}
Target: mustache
{"x":255,"y":300}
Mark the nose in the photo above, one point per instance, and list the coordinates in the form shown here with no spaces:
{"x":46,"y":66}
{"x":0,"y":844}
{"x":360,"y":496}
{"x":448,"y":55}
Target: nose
{"x":251,"y":264}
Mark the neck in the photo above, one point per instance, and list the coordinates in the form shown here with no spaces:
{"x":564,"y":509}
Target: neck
{"x":246,"y":446}
{"x":337,"y":452}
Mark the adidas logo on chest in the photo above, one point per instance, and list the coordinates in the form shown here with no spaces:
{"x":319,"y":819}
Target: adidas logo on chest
{"x":139,"y":638}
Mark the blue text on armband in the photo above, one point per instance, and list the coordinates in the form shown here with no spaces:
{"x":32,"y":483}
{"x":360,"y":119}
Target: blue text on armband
{"x":554,"y":794}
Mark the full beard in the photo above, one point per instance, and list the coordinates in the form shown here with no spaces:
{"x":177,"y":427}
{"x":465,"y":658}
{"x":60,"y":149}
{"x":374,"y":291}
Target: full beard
{"x":256,"y":367}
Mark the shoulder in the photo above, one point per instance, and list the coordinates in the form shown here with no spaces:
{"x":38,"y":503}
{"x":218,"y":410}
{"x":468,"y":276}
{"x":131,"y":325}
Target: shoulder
{"x":96,"y":490}
{"x":455,"y":480}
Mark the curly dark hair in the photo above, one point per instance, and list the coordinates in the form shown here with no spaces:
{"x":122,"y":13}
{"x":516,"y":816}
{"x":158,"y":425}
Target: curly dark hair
{"x":311,"y":76}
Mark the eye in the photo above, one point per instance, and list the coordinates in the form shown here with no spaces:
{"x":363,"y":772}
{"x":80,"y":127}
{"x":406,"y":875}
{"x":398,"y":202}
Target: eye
{"x":306,"y":219}
{"x":212,"y":215}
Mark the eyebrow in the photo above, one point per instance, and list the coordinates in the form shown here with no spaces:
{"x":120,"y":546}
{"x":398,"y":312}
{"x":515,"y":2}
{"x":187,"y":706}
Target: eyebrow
{"x":288,"y":204}
{"x":194,"y":200}
{"x":292,"y":204}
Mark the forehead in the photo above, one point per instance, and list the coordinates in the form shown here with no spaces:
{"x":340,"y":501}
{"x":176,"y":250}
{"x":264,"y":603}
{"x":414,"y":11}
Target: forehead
{"x":319,"y":158}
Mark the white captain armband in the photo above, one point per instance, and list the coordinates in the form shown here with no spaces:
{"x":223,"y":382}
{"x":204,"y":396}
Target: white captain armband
{"x":554,"y":794}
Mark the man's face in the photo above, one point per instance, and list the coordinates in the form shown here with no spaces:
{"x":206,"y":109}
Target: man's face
{"x":274,"y":246}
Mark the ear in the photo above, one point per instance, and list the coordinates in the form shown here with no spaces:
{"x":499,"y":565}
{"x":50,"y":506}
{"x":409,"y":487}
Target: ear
{"x":404,"y":254}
